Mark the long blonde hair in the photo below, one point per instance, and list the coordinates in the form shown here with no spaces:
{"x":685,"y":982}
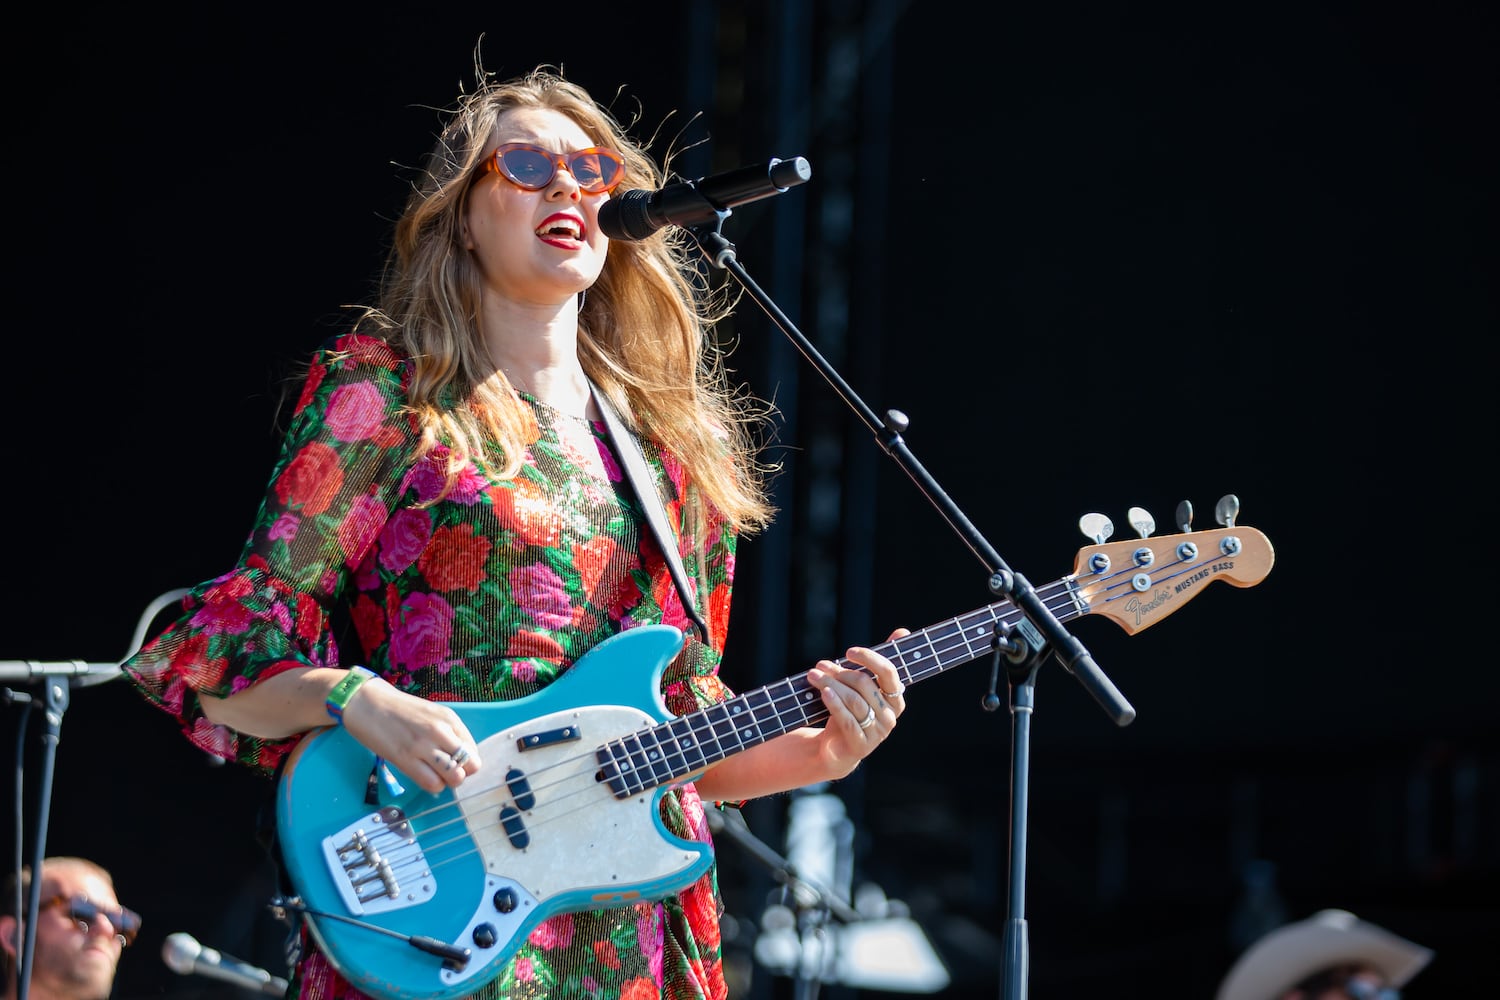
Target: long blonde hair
{"x":643,"y":329}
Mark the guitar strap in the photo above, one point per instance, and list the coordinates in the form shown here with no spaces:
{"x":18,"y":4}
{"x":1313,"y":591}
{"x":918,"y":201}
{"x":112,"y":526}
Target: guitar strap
{"x":629,"y":449}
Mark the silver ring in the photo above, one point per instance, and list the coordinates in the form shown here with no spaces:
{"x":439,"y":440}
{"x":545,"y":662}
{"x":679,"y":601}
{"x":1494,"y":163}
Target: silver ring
{"x":459,"y":756}
{"x":894,"y":694}
{"x":868,"y":720}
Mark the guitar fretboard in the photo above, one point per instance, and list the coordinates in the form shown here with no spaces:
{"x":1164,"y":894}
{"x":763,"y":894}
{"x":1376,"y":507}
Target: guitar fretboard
{"x":689,"y":743}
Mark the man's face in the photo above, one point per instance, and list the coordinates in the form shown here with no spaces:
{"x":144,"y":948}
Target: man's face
{"x":74,"y":959}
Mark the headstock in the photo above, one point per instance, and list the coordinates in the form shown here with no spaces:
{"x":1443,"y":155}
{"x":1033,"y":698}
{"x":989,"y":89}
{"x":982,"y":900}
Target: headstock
{"x":1138,"y":582}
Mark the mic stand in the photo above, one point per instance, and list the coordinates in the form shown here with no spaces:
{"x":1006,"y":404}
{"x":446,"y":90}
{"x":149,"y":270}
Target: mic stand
{"x":57,"y":679}
{"x":1039,"y":630}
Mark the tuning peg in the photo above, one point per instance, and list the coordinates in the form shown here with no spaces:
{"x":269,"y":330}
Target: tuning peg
{"x":1227,"y":509}
{"x":1184,"y":516}
{"x":1142,"y":521}
{"x":1096,"y":526}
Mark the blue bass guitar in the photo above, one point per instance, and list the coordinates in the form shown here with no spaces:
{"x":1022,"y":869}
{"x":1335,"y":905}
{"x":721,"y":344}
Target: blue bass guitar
{"x":425,"y":897}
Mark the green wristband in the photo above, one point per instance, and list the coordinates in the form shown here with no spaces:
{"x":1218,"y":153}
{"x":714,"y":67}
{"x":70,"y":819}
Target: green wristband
{"x":338,"y":698}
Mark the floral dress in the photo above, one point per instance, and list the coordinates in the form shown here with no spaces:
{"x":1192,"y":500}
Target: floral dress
{"x":491,"y":592}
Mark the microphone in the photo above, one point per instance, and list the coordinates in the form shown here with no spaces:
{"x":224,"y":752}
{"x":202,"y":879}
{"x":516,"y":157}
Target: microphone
{"x":185,"y":956}
{"x":636,"y":214}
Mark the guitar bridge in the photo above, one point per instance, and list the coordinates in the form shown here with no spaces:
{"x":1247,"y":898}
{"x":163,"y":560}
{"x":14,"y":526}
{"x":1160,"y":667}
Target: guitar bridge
{"x":377,"y":864}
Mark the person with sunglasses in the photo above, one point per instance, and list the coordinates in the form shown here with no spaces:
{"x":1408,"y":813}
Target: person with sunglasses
{"x":81,"y":931}
{"x":1332,"y":955}
{"x":447,"y":487}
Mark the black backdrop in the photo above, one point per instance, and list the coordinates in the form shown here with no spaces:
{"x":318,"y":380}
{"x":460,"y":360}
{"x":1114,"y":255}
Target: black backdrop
{"x":1101,"y":258}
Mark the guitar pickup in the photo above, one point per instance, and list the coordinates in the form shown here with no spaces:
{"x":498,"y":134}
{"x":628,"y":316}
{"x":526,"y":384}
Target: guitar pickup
{"x":548,"y":738}
{"x":520,"y":788}
{"x":515,"y":828}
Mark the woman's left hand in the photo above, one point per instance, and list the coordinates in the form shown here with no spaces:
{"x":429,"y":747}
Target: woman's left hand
{"x":863,"y":705}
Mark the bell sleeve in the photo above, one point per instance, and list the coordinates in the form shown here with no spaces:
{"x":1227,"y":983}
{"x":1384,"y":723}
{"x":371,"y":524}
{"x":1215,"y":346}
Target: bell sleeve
{"x":334,"y":484}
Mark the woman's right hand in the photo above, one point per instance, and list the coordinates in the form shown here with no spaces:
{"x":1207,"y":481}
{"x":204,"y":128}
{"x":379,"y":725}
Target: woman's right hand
{"x":424,"y":740}
{"x":415,"y":736}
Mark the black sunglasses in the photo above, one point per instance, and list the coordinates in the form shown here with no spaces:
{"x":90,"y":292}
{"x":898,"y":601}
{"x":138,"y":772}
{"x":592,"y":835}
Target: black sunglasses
{"x":126,"y":922}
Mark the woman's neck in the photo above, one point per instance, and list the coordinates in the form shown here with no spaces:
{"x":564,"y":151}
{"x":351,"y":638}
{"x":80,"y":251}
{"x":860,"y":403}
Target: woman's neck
{"x":537,"y":351}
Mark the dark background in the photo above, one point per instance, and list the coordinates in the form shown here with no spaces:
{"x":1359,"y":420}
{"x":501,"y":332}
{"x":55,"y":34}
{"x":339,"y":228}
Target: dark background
{"x":1101,"y":257}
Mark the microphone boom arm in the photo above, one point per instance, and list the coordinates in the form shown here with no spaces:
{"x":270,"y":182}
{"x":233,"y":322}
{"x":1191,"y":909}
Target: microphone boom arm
{"x":1024,"y":650}
{"x":1002,"y":580}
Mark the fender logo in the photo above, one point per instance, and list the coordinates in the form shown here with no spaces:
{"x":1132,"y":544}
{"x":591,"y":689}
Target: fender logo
{"x":1142,"y":609}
